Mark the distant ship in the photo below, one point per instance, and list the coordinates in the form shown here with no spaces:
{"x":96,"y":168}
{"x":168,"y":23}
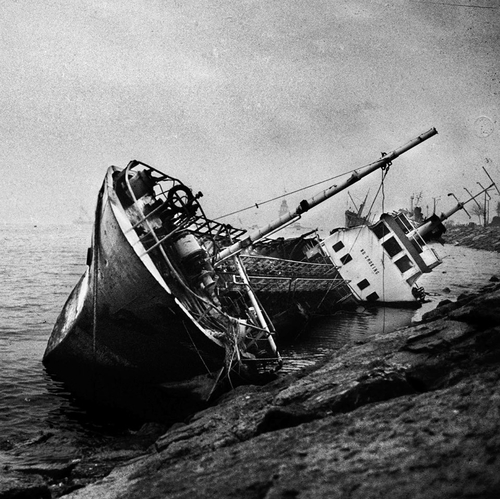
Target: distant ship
{"x":355,"y":218}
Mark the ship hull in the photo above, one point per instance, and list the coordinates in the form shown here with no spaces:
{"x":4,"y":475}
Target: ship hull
{"x":123,"y":328}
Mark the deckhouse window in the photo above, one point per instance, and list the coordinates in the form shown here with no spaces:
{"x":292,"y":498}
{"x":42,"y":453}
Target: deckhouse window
{"x":363,"y":284}
{"x":380,"y":230}
{"x":338,"y":246}
{"x":392,"y":246}
{"x":372,"y":297}
{"x":404,"y":263}
{"x":346,"y":259}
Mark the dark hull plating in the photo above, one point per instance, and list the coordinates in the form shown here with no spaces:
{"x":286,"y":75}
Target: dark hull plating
{"x":121,"y":325}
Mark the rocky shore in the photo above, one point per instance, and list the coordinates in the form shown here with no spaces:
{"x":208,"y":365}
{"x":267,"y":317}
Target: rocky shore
{"x":414,"y":413}
{"x":474,"y":236}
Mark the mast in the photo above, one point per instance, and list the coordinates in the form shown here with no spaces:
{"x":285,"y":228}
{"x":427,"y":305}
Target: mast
{"x":436,"y":221}
{"x":362,"y":206}
{"x":354,"y":204}
{"x":306,"y":205}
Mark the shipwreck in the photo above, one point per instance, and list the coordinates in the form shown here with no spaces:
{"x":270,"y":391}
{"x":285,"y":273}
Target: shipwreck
{"x":151,"y":312}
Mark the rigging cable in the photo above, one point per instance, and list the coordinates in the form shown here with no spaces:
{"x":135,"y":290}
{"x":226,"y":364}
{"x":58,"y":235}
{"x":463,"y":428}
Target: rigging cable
{"x":385,"y":171}
{"x":258,"y":205}
{"x":382,"y":186}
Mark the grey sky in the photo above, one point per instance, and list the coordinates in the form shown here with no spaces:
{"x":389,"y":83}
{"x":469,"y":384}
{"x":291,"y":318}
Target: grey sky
{"x":245,"y":100}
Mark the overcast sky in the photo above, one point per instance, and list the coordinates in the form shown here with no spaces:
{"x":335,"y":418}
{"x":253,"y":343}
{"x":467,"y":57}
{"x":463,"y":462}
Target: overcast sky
{"x":246,"y":100}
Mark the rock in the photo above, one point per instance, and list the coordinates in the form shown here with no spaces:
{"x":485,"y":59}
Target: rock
{"x":412,"y":413}
{"x":442,"y":310}
{"x":19,"y":487}
{"x":432,"y":445}
{"x":442,"y":303}
{"x":474,"y":237}
{"x":440,"y":337}
{"x":483,"y":311}
{"x":277,"y":418}
{"x":52,"y":470}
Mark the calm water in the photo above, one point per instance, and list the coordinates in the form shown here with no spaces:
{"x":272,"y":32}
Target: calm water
{"x":462,"y":270}
{"x":40,"y":266}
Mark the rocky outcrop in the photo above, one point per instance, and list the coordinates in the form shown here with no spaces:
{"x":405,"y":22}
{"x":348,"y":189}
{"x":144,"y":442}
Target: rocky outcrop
{"x":474,"y":236}
{"x":53,"y":464}
{"x":413,"y":413}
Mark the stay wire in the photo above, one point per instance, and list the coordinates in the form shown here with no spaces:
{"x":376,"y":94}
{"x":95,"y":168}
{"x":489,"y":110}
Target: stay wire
{"x":382,"y":185}
{"x":257,"y":205}
{"x":385,"y":171}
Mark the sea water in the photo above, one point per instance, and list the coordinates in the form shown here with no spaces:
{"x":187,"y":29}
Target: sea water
{"x":39,"y":267}
{"x":462,"y":270}
{"x":40,"y":264}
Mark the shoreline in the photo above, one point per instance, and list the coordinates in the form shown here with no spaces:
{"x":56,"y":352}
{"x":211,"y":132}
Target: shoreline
{"x":474,"y":236}
{"x":413,"y":413}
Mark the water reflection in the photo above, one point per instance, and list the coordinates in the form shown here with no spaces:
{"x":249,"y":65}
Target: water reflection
{"x":463,"y":270}
{"x":326,"y":334}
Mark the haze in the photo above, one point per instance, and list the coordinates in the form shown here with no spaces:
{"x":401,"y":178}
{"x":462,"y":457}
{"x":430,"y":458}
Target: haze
{"x":246,"y":100}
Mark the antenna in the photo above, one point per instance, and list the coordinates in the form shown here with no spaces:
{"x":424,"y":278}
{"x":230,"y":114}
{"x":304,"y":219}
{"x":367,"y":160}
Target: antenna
{"x":473,"y":198}
{"x":463,"y":207}
{"x":432,"y":224}
{"x":493,"y":184}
